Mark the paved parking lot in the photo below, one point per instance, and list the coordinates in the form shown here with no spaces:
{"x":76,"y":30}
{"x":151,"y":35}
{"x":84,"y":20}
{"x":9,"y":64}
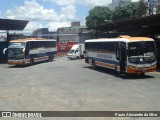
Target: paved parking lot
{"x":73,"y":85}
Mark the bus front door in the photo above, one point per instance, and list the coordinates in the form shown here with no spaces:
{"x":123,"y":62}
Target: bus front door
{"x":123,"y":58}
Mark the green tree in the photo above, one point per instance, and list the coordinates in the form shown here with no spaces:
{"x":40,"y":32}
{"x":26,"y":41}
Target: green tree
{"x":124,"y":12}
{"x":158,"y":6}
{"x":141,"y":8}
{"x":98,"y":15}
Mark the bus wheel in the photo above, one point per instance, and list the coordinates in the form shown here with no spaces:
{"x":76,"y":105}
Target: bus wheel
{"x":94,"y":65}
{"x":142,"y":74}
{"x":86,"y":60}
{"x":50,"y":59}
{"x":123,"y":74}
{"x":31,"y":62}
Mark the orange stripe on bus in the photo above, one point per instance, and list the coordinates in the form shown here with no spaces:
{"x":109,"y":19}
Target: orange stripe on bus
{"x":141,"y":70}
{"x":40,"y":58}
{"x":117,"y":68}
{"x":16,"y":63}
{"x":105,"y":65}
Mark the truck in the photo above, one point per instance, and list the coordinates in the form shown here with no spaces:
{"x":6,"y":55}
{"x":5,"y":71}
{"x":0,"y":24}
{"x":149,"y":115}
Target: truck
{"x":76,"y":52}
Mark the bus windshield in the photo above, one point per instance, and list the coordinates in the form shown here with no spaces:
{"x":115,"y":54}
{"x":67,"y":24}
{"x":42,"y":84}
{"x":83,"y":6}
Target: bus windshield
{"x":142,"y":52}
{"x":15,"y":50}
{"x":16,"y":44}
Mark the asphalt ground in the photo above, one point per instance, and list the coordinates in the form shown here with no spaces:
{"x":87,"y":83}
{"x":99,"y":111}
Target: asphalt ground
{"x":73,"y":85}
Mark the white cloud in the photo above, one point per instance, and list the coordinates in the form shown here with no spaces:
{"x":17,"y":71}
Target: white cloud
{"x":0,"y":14}
{"x":135,"y":0}
{"x":90,"y":3}
{"x":63,"y":2}
{"x":53,"y":26}
{"x":40,"y":16}
{"x":68,"y":12}
{"x":32,"y":11}
{"x":94,"y":3}
{"x":33,"y":26}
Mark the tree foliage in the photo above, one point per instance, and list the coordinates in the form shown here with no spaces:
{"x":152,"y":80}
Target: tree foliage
{"x":158,"y":6}
{"x":141,"y":8}
{"x":98,"y":15}
{"x":125,"y":12}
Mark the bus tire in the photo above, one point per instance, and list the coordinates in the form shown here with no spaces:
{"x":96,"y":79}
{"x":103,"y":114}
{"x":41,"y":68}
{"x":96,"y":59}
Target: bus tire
{"x":142,"y":74}
{"x":82,"y":56}
{"x":31,"y":62}
{"x":123,"y":74}
{"x":94,"y":64}
{"x":86,"y":60}
{"x":49,"y":58}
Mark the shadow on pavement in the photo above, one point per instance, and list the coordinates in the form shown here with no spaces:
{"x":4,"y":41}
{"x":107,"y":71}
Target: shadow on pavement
{"x":103,"y":70}
{"x":137,"y":77}
{"x":116,"y":74}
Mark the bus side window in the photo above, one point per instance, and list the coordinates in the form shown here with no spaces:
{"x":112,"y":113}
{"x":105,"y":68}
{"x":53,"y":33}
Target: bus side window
{"x":55,"y":44}
{"x":51,"y":44}
{"x":118,"y":54}
{"x":30,"y":45}
{"x":117,"y":50}
{"x":42,"y":44}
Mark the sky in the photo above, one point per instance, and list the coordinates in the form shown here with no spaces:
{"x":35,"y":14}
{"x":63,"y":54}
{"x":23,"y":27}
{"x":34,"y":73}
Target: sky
{"x":50,"y":14}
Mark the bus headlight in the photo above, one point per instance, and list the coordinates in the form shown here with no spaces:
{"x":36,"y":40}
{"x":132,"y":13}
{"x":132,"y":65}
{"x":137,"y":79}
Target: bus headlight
{"x":130,"y":66}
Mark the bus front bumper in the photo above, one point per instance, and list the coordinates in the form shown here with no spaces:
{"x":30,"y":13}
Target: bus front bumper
{"x":16,"y":62}
{"x":132,"y":70}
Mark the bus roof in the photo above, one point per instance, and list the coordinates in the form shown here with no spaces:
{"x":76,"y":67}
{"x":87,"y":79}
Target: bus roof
{"x":32,"y":39}
{"x":122,"y":39}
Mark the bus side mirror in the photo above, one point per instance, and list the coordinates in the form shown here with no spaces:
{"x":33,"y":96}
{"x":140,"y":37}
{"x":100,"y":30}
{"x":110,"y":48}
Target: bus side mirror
{"x":118,"y":54}
{"x":24,"y":51}
{"x":4,"y":51}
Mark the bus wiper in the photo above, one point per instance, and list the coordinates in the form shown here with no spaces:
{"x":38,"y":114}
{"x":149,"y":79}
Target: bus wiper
{"x":146,"y":55}
{"x":137,"y":60}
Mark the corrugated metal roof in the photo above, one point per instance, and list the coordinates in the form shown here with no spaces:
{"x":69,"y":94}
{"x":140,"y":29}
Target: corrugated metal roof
{"x":10,"y":24}
{"x":150,"y":23}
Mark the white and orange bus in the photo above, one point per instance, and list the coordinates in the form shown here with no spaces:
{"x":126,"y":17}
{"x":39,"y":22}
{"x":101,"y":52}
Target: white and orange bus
{"x":30,"y":50}
{"x":125,"y":54}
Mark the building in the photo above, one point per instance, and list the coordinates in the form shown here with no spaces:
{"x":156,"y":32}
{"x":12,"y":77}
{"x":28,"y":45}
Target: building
{"x":44,"y":33}
{"x":68,"y":36}
{"x":118,"y":3}
{"x":75,"y":24}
